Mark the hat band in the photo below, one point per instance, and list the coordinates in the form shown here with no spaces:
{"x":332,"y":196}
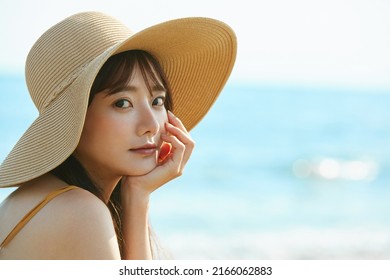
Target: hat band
{"x":70,"y":79}
{"x":62,"y":86}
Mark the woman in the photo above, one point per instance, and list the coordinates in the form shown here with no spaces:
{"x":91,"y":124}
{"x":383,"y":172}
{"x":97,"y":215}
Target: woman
{"x":106,"y":136}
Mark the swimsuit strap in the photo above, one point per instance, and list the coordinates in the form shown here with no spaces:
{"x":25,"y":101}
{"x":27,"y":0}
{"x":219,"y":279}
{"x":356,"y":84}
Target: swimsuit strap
{"x":32,"y":213}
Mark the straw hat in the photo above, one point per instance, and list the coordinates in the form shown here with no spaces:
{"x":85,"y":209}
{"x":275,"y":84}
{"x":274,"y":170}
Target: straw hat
{"x":197,"y":55}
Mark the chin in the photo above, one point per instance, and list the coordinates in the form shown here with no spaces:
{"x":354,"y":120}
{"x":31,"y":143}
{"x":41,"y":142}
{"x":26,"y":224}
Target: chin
{"x":140,"y":170}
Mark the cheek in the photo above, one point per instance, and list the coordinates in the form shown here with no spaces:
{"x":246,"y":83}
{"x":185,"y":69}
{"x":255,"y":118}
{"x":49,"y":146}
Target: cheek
{"x":100,"y":132}
{"x":162,"y":119}
{"x":109,"y":129}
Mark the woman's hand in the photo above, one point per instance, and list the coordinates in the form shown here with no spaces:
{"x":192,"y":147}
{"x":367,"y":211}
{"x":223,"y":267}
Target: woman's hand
{"x":135,"y":190}
{"x":172,"y":160}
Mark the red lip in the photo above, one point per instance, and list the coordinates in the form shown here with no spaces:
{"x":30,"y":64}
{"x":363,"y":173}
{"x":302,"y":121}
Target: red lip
{"x":147,"y":149}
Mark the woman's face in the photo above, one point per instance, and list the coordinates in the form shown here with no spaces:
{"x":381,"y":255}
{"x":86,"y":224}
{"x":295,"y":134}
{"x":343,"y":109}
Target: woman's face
{"x":121,"y":134}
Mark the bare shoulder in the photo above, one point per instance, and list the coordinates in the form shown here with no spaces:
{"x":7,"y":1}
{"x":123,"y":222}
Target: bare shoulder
{"x":81,"y":227}
{"x":73,"y":225}
{"x":83,"y":203}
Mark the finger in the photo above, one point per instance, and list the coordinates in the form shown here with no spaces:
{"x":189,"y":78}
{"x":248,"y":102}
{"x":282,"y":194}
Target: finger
{"x":177,"y":151}
{"x":179,"y":133}
{"x":164,"y":151}
{"x":176,"y":122}
{"x":184,"y":138}
{"x":176,"y":128}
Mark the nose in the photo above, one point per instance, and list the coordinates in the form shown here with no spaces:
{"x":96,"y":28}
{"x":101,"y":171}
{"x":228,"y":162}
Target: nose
{"x":148,"y":122}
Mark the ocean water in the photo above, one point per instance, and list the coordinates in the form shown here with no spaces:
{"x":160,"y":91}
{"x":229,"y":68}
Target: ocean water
{"x":278,"y":172}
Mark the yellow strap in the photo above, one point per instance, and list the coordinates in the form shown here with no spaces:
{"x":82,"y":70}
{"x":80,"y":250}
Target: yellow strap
{"x":32,"y":213}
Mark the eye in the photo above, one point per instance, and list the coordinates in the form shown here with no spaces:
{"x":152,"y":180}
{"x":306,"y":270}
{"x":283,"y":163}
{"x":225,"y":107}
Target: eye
{"x":159,"y":101}
{"x":123,"y":103}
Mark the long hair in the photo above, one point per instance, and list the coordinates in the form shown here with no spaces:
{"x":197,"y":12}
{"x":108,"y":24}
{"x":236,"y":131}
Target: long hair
{"x":116,"y":72}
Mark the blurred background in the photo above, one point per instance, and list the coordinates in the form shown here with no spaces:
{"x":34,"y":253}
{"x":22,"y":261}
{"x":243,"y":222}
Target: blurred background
{"x":292,"y":162}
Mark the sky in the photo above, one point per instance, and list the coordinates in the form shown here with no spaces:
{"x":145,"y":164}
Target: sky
{"x":333,"y":43}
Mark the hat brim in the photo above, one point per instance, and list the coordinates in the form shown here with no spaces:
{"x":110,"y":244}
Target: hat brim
{"x":197,"y":55}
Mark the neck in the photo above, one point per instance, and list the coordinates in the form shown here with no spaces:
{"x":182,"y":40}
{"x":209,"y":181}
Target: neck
{"x":106,"y":184}
{"x":103,"y":180}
